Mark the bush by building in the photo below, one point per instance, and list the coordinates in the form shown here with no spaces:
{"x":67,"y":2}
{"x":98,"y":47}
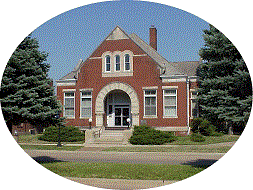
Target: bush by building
{"x":67,"y":134}
{"x":195,"y":124}
{"x":196,"y":137}
{"x":202,"y":126}
{"x":145,"y":135}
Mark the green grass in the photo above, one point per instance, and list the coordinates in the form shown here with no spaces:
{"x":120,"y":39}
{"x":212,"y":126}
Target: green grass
{"x":123,"y":170}
{"x":202,"y":149}
{"x":50,"y":147}
{"x":33,"y":139}
{"x":209,"y":140}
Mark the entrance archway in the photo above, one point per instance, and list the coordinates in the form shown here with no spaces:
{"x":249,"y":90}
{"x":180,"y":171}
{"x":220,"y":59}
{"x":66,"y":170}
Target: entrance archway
{"x":99,"y":105}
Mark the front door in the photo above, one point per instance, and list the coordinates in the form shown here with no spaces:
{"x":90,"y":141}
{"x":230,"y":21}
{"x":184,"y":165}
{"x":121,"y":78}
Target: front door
{"x":121,"y":115}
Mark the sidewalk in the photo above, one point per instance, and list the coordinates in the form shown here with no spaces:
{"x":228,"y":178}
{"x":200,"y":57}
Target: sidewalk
{"x":124,"y":184}
{"x":130,"y":145}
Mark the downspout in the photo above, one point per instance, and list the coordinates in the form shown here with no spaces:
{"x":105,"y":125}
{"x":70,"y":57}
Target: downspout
{"x":187,"y":97}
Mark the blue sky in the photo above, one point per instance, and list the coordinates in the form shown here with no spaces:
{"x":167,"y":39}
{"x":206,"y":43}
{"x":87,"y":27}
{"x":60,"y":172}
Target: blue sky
{"x":75,"y":34}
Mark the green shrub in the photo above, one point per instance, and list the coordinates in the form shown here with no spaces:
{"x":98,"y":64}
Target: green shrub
{"x":217,"y":134}
{"x":206,"y":128}
{"x":67,"y":133}
{"x":197,"y":137}
{"x":195,"y":124}
{"x":202,"y":126}
{"x":145,"y":135}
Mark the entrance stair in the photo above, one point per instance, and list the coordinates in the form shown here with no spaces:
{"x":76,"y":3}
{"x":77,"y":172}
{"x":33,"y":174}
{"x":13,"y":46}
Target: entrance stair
{"x":110,"y":137}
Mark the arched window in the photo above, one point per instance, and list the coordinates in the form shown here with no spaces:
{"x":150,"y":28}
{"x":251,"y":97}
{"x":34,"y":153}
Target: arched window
{"x":117,"y":63}
{"x":127,"y":62}
{"x":107,"y":63}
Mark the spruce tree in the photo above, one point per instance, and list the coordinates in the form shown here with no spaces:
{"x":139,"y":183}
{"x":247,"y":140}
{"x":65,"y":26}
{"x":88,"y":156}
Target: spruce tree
{"x":225,"y":90}
{"x":27,"y":94}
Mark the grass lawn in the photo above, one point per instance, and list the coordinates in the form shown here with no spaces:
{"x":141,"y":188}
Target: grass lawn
{"x":50,"y":147}
{"x":33,"y":139}
{"x":209,"y":140}
{"x":123,"y":171}
{"x":202,"y":149}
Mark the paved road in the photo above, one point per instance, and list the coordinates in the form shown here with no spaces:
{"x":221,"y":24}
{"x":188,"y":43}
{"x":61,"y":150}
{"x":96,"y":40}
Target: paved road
{"x":126,"y":157}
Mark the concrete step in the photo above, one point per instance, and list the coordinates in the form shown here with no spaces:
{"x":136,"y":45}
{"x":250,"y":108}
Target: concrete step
{"x":107,"y":141}
{"x":112,"y":134}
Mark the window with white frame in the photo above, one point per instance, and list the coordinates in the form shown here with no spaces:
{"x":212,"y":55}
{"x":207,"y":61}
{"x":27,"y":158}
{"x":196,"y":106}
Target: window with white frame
{"x":69,"y":104}
{"x":170,"y":102}
{"x":86,"y":102}
{"x":117,"y":63}
{"x":127,"y":62}
{"x":107,"y":63}
{"x":194,"y":108}
{"x":149,"y":102}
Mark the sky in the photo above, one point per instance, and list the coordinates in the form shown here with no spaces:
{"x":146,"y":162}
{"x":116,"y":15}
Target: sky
{"x":75,"y":34}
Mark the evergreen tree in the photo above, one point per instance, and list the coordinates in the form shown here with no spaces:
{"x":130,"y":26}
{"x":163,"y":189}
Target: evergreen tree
{"x":225,"y":90}
{"x":27,"y":94}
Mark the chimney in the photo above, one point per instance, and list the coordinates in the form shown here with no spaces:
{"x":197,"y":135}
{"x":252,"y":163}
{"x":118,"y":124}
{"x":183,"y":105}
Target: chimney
{"x":153,"y":37}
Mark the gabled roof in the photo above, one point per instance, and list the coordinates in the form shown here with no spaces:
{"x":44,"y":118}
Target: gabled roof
{"x":161,"y":61}
{"x":73,"y":74}
{"x":188,"y":68}
{"x":117,"y":34}
{"x":169,"y":68}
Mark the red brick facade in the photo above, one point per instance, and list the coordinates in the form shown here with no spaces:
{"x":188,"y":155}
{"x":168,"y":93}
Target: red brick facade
{"x":147,"y":71}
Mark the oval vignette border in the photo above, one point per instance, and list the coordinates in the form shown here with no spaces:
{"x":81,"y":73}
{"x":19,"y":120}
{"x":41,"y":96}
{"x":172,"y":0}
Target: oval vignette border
{"x":229,"y":169}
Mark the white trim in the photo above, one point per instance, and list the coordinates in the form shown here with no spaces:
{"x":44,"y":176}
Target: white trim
{"x":191,"y":98}
{"x":86,"y":89}
{"x":150,"y":88}
{"x":69,"y":117}
{"x":169,"y":87}
{"x":115,"y":63}
{"x":140,"y":55}
{"x":124,"y":62}
{"x":151,"y":95}
{"x":187,"y":104}
{"x":174,"y":95}
{"x":95,"y":58}
{"x":66,"y":82}
{"x":194,"y":80}
{"x":68,"y":90}
{"x":86,"y":96}
{"x":166,"y":80}
{"x":105,"y":63}
{"x":122,"y":71}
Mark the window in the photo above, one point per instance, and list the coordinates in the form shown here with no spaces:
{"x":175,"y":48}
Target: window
{"x":194,"y":108}
{"x":127,"y":62}
{"x":170,"y":103}
{"x":86,"y":98}
{"x":150,"y":102}
{"x":69,"y":104}
{"x":107,"y":63}
{"x":117,"y":63}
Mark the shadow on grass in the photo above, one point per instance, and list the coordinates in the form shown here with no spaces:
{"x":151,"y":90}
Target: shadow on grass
{"x":45,"y":159}
{"x":201,"y":163}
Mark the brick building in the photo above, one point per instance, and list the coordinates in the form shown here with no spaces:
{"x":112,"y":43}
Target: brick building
{"x":127,"y":78}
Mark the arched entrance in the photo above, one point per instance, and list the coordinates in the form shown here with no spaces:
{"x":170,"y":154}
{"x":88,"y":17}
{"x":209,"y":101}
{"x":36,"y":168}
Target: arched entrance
{"x":117,"y":109}
{"x":116,"y":98}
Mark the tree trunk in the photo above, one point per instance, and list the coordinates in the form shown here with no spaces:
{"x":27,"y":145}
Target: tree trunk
{"x":9,"y":125}
{"x":230,"y":130}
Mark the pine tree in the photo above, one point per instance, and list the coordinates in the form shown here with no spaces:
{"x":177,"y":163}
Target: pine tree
{"x":225,"y":89}
{"x":27,"y":94}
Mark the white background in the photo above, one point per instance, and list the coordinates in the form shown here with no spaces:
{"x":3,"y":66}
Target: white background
{"x":19,"y":18}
